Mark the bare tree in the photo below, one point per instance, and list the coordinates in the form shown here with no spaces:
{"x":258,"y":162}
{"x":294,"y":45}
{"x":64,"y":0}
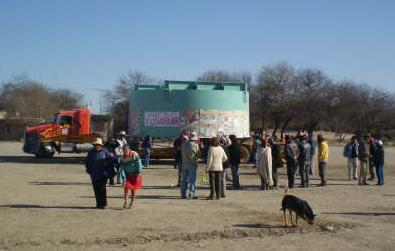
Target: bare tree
{"x":275,"y":95}
{"x":118,"y":99}
{"x":314,"y":98}
{"x":224,"y":76}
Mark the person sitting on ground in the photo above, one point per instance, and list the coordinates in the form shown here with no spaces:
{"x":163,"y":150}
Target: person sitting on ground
{"x":130,"y":169}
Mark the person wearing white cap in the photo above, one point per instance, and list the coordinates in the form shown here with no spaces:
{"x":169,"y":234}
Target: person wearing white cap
{"x":121,"y":142}
{"x":190,"y":153}
{"x":99,"y":163}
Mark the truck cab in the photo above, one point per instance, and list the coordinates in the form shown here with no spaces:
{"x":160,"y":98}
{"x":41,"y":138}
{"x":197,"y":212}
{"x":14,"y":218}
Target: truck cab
{"x":67,"y":128}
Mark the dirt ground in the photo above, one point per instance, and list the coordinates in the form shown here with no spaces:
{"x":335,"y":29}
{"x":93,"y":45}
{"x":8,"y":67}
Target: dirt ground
{"x":47,"y":205}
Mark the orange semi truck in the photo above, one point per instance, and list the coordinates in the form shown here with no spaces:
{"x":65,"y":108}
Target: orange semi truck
{"x":69,"y":131}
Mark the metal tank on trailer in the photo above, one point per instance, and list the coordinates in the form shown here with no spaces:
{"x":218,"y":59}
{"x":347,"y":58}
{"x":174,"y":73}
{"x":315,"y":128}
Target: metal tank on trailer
{"x":163,"y":111}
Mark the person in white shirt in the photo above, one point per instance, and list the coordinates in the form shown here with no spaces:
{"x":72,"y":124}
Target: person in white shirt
{"x":121,"y":142}
{"x":215,"y":158}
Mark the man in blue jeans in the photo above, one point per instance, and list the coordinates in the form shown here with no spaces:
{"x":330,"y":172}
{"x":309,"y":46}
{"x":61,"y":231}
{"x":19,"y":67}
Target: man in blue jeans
{"x":292,"y":155}
{"x":234,"y":161}
{"x":189,"y":153}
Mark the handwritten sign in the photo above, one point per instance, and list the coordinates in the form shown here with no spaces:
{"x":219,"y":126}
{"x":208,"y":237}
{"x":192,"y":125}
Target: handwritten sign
{"x":162,"y":119}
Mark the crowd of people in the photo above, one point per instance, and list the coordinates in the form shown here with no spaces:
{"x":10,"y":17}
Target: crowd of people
{"x":365,"y":154}
{"x":220,"y":154}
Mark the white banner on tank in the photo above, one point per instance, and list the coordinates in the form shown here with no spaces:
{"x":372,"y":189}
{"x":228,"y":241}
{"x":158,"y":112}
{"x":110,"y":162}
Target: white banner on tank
{"x":162,"y":119}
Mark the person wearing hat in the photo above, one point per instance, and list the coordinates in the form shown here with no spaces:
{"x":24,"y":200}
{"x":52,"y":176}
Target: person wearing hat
{"x":99,"y":163}
{"x":121,"y":142}
{"x":190,"y":154}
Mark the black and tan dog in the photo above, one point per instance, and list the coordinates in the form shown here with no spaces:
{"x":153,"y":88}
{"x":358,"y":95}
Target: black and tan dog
{"x":300,"y":207}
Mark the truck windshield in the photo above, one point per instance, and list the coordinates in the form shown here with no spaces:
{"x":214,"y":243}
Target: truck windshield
{"x":54,"y":118}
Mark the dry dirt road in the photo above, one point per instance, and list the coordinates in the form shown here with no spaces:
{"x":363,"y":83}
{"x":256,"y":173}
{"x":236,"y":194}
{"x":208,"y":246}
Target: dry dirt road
{"x":47,"y":205}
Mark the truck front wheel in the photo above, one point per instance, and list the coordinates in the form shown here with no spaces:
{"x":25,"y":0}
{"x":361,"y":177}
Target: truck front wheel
{"x":45,"y":152}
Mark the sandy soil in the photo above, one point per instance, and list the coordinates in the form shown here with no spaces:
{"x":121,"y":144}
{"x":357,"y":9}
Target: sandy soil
{"x":47,"y":205}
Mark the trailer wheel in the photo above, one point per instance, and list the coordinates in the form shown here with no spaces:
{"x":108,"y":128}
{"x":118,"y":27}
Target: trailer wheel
{"x":245,"y":154}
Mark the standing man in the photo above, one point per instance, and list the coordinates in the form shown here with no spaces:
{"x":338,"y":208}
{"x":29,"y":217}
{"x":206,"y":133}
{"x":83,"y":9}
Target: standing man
{"x":256,"y":146}
{"x":305,"y":159}
{"x":276,"y":160}
{"x":234,"y":161}
{"x":97,"y":165}
{"x":147,"y":148}
{"x":313,"y":146}
{"x":323,"y":156}
{"x":189,"y":153}
{"x":121,"y":143}
{"x":380,"y":163}
{"x":291,"y":154}
{"x":372,"y":157}
{"x":177,"y":159}
{"x":351,"y":153}
{"x":363,"y":155}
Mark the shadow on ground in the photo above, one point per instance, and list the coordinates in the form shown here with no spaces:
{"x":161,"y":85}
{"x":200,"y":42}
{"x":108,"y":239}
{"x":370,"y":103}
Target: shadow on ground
{"x":27,"y":206}
{"x":259,"y":226}
{"x":34,"y":160}
{"x":364,"y":213}
{"x":139,"y":197}
{"x":58,"y":183}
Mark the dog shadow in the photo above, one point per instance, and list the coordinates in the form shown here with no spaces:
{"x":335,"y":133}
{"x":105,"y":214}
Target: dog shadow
{"x":260,"y":226}
{"x":363,"y":213}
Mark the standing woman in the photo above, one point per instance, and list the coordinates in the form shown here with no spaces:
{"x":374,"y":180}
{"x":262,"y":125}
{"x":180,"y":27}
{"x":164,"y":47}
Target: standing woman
{"x":264,"y":165}
{"x":147,"y":147}
{"x":130,"y":169}
{"x":216,"y":156}
{"x":98,"y":163}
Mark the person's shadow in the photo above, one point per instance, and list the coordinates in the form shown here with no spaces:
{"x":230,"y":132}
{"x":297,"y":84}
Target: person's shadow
{"x":19,"y":206}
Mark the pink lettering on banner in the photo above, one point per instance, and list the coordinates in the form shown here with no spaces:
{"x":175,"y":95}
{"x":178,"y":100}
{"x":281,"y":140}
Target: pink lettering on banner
{"x":161,"y":119}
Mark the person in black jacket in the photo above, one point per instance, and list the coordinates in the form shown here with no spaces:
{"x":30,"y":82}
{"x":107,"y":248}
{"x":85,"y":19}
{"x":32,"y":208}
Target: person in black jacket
{"x":234,"y":161}
{"x":380,"y":163}
{"x":99,"y":166}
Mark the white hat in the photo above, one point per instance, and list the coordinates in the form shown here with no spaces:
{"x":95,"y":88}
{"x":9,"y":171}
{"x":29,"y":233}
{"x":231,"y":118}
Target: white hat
{"x":122,"y":133}
{"x":98,"y":141}
{"x":379,"y":142}
{"x":194,"y":136}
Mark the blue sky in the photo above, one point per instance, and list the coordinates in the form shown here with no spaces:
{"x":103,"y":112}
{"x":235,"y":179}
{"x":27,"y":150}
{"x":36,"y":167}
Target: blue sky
{"x":87,"y":45}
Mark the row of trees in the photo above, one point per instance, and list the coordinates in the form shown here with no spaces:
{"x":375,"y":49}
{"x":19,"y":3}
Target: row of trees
{"x":283,"y":97}
{"x":25,"y":98}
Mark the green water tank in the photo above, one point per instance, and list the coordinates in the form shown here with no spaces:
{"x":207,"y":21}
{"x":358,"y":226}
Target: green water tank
{"x":207,"y":108}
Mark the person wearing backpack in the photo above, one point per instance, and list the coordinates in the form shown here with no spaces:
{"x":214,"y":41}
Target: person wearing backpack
{"x":130,"y":169}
